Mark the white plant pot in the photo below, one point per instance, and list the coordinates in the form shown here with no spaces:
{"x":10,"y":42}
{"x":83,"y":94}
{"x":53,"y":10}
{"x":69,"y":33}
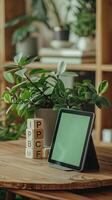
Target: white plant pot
{"x":86,"y":44}
{"x":27,"y":47}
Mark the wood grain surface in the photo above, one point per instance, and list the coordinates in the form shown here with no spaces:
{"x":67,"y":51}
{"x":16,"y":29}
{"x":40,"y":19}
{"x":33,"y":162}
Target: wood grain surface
{"x":50,"y":195}
{"x":18,"y":172}
{"x":63,"y":195}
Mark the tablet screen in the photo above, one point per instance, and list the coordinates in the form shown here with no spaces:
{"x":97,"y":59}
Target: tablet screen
{"x":71,"y":138}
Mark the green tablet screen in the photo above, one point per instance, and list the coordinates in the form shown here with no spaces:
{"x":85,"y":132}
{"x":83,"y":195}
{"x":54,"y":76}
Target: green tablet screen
{"x":70,"y":138}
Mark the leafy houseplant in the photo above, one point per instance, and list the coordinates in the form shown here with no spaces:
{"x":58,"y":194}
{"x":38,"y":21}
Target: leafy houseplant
{"x":22,"y":36}
{"x":45,"y":12}
{"x":32,"y":89}
{"x":60,"y":24}
{"x":84,"y":25}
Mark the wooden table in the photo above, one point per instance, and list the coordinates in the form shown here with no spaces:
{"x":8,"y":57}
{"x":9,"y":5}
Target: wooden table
{"x":37,"y":180}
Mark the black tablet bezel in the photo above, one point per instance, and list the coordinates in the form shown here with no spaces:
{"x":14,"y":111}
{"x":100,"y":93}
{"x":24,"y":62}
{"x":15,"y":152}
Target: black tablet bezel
{"x":84,"y":152}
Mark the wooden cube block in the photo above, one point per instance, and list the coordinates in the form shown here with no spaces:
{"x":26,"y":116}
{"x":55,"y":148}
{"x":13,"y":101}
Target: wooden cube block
{"x":33,"y":153}
{"x":35,"y":123}
{"x":38,"y":144}
{"x":34,"y":144}
{"x":29,"y":153}
{"x":45,"y":152}
{"x":29,"y":135}
{"x":32,"y":134}
{"x":37,"y":154}
{"x":29,"y":144}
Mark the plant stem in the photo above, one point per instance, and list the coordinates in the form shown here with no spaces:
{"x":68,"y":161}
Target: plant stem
{"x":56,"y":13}
{"x":39,"y":90}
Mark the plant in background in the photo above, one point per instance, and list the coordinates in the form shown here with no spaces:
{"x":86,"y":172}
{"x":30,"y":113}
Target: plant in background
{"x":24,"y":31}
{"x":28,"y":21}
{"x":45,"y":12}
{"x":52,"y":10}
{"x":32,"y":89}
{"x":85,"y":18}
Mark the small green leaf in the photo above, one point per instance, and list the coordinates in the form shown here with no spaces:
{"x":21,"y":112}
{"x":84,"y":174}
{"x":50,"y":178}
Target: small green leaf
{"x":61,"y":68}
{"x":17,"y":58}
{"x":24,"y":60}
{"x":49,"y":91}
{"x":10,"y":65}
{"x":8,"y":77}
{"x":103,"y":87}
{"x":34,"y":79}
{"x":39,"y":70}
{"x":102,"y":101}
{"x":7,"y":97}
{"x":20,"y":108}
{"x":25,"y":94}
{"x":105,"y":102}
{"x":21,"y":73}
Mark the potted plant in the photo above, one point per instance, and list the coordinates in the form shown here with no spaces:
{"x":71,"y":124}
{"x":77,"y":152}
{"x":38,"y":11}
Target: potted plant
{"x":57,"y":20}
{"x":32,"y":89}
{"x":24,"y":36}
{"x":44,"y":12}
{"x":84,"y":25}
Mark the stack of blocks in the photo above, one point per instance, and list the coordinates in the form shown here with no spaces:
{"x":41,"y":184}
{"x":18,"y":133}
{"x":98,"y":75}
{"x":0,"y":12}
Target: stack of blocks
{"x":35,"y":139}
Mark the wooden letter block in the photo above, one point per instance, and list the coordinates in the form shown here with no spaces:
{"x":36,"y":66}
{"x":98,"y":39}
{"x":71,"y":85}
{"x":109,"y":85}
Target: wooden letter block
{"x":35,"y":123}
{"x":38,"y":144}
{"x":37,"y":154}
{"x":34,"y":144}
{"x":32,"y":134}
{"x":29,"y":153}
{"x":29,"y":135}
{"x":38,"y":134}
{"x":33,"y":153}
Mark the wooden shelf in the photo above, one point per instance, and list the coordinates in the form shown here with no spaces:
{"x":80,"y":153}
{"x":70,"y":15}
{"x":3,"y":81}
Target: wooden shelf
{"x":83,"y":67}
{"x":106,"y":68}
{"x":103,"y":66}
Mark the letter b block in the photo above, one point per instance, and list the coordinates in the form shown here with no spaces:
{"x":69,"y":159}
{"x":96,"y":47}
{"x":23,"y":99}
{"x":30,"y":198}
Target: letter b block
{"x":34,"y":144}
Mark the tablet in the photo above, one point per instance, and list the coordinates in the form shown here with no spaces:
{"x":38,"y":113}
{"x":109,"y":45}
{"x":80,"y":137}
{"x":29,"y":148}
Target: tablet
{"x":71,"y":138}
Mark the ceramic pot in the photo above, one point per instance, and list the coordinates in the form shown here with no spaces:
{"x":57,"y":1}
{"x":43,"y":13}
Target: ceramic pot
{"x":60,"y":34}
{"x":49,"y":116}
{"x":28,"y":47}
{"x":86,"y":44}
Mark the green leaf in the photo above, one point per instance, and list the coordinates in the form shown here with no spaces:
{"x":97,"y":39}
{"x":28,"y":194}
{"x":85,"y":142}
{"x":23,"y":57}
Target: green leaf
{"x":61,"y":68}
{"x":21,"y":73}
{"x":18,"y":58}
{"x":8,"y":77}
{"x":102,"y":101}
{"x":16,"y":20}
{"x":10,"y":65}
{"x":103,"y":87}
{"x":21,"y":60}
{"x":20,"y":108}
{"x":49,"y":91}
{"x":7,"y":97}
{"x":105,"y":102}
{"x":34,"y":79}
{"x":39,"y":70}
{"x":25,"y":94}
